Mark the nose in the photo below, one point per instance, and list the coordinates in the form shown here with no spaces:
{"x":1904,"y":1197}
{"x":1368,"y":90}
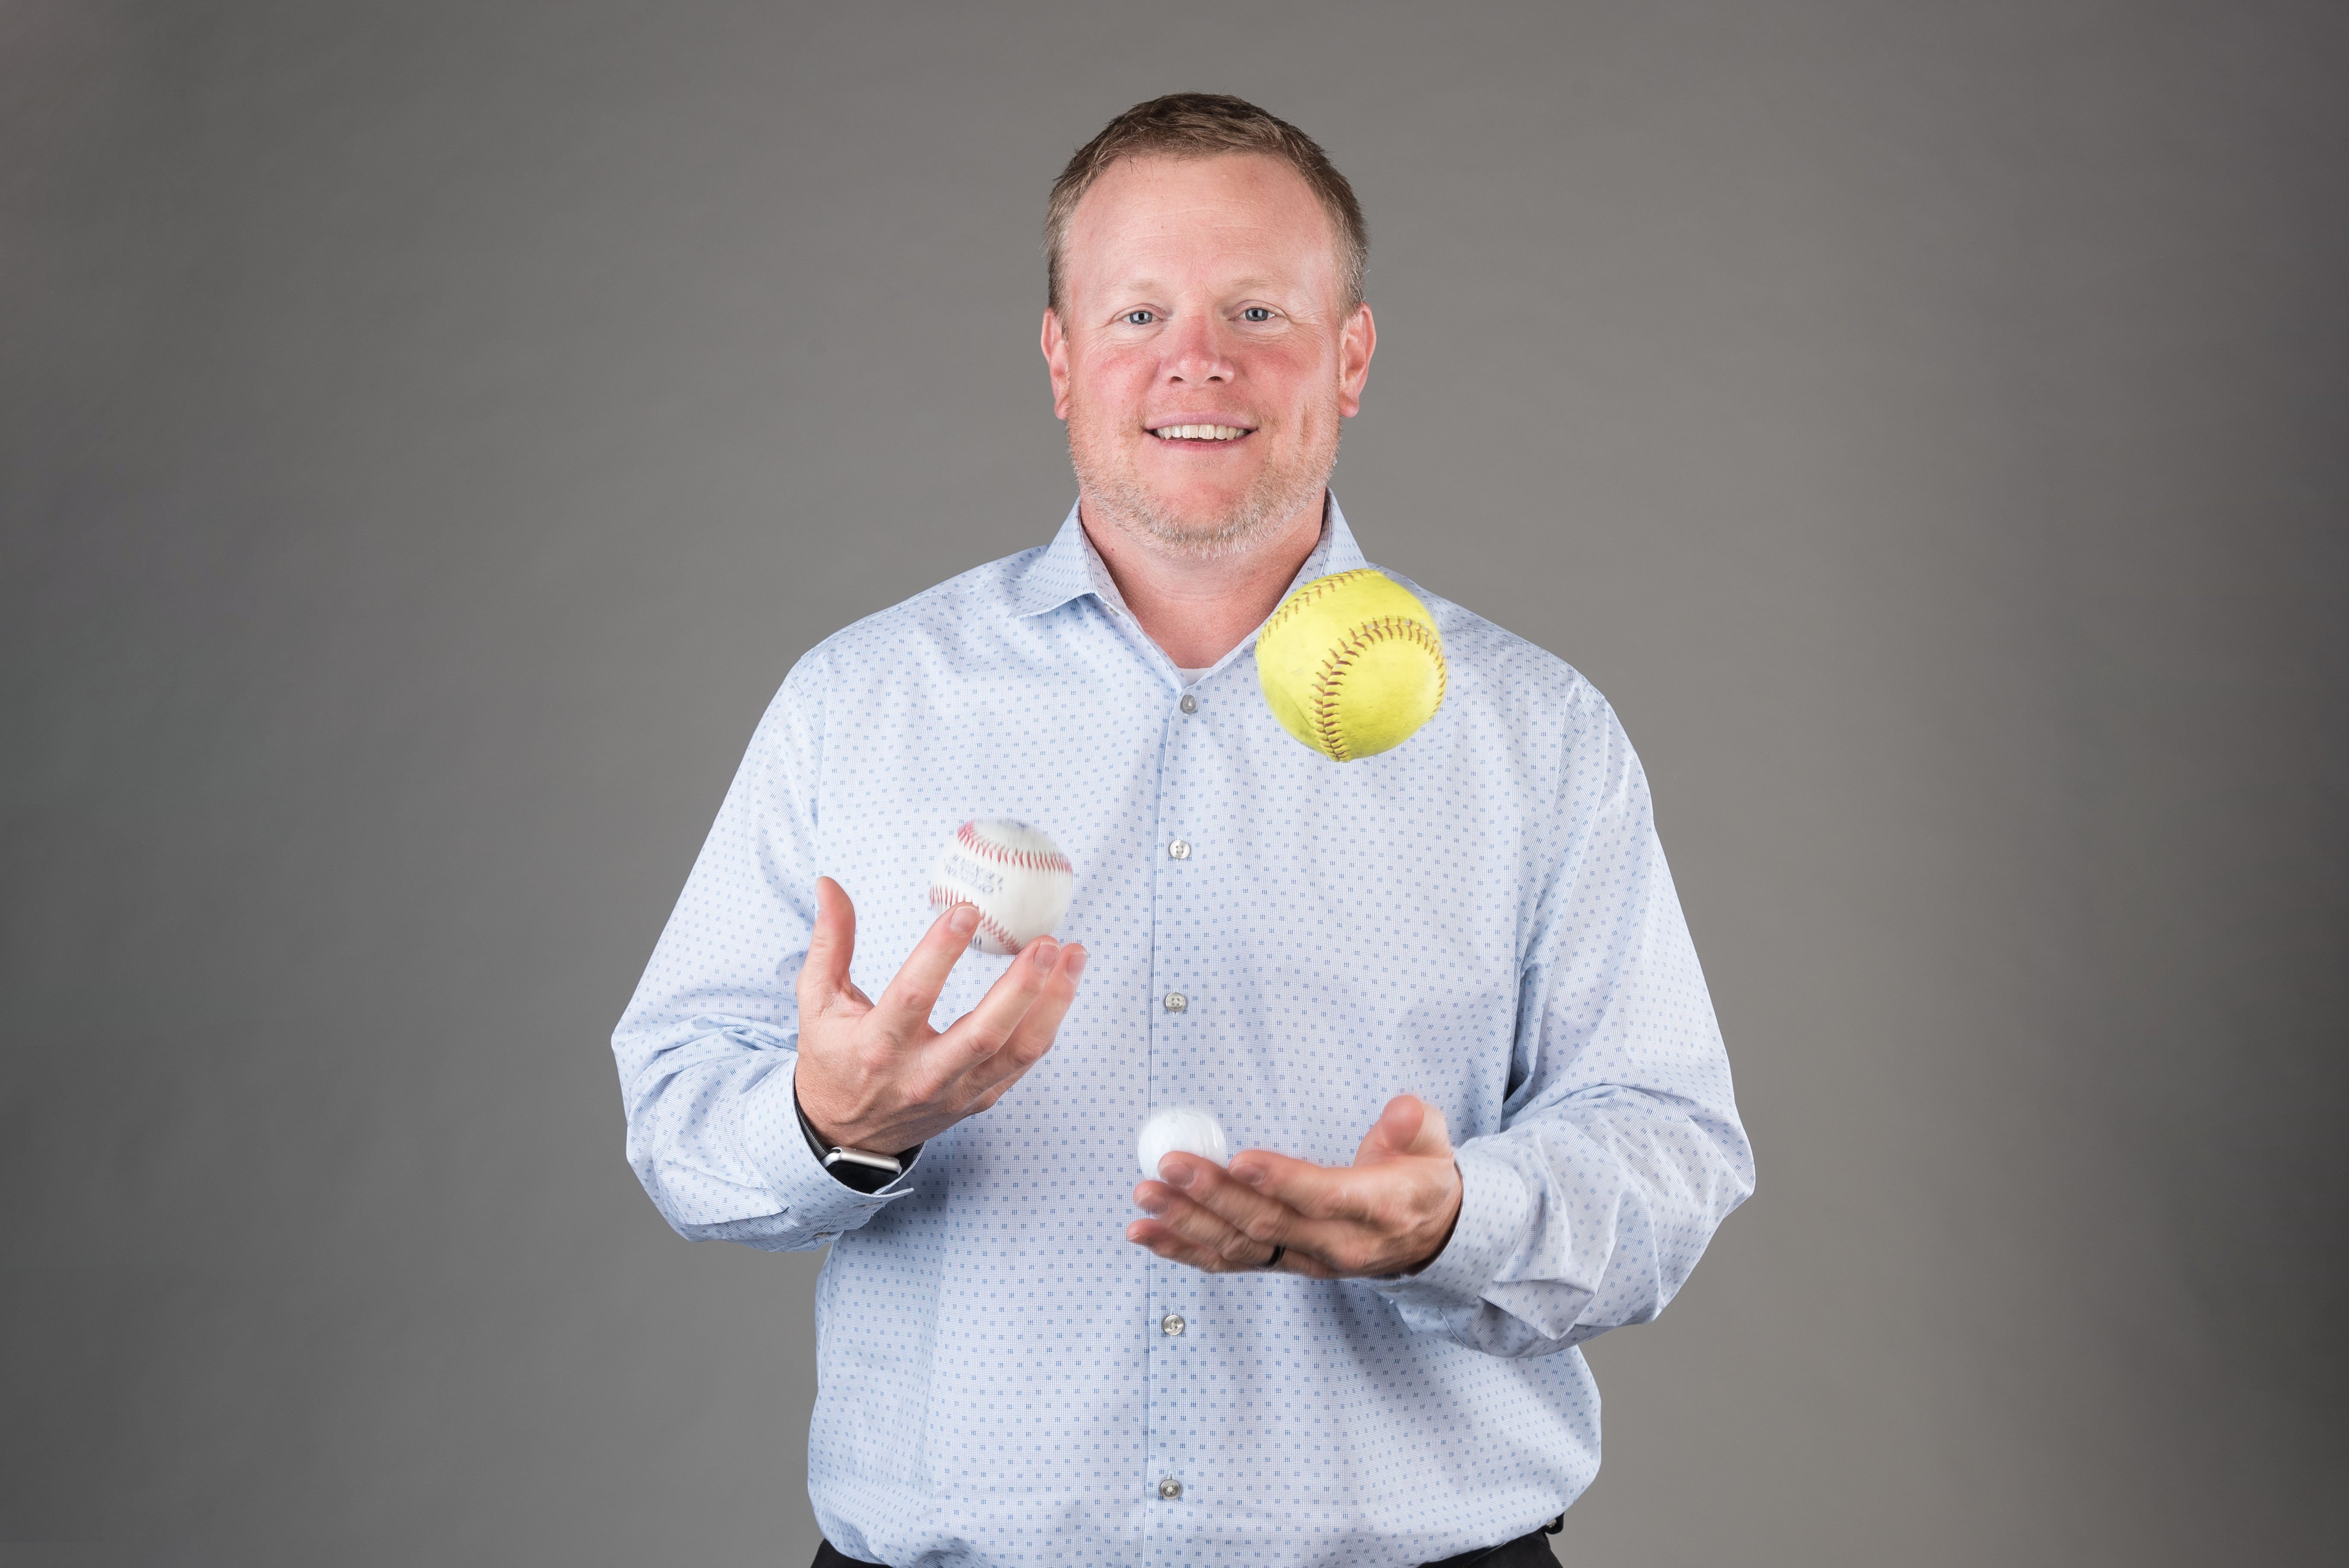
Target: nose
{"x":1197,"y":355}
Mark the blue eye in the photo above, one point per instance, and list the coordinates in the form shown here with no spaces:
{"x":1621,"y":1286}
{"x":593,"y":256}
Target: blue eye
{"x":1255,"y":312}
{"x":1139,"y":318}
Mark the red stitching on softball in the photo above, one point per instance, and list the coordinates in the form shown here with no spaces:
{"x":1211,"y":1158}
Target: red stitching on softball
{"x":1319,"y":588}
{"x":1330,"y":683}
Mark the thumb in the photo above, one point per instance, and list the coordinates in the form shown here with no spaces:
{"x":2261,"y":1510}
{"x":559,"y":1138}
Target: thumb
{"x":1409,"y":1125}
{"x":830,"y":946}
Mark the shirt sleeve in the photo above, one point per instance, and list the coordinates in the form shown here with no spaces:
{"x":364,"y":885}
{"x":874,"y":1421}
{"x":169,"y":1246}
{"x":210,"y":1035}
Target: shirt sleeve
{"x":707,"y":1048}
{"x":1621,"y":1150}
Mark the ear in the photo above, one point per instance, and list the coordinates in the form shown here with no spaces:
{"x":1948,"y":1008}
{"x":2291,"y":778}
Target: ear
{"x":1354,"y":350}
{"x":1056,"y":361}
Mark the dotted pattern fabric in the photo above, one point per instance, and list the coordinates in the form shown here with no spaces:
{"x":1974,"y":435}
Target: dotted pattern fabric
{"x":1482,"y":917}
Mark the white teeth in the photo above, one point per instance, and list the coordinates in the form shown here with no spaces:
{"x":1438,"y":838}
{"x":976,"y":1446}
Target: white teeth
{"x":1199,"y":432}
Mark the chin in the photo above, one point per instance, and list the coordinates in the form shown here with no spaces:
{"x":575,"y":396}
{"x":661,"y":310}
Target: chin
{"x":1210,"y":534}
{"x":1181,"y":509}
{"x":1188,"y":511}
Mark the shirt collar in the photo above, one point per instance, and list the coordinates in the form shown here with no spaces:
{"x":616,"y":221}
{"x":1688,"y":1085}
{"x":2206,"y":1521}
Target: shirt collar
{"x":1071,"y":568}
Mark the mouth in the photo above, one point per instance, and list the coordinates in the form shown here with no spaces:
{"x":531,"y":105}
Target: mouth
{"x":1199,"y":435}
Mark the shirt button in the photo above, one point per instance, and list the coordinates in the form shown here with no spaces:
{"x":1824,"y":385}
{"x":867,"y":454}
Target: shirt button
{"x":1180,"y":849}
{"x":1170,"y":1324}
{"x":1189,"y":703}
{"x":1176,"y":1001}
{"x":1170,"y":1488}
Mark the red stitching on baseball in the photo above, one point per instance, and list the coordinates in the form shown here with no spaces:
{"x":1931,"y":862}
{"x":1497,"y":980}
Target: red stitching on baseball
{"x":1004,"y":855}
{"x":947,"y":898}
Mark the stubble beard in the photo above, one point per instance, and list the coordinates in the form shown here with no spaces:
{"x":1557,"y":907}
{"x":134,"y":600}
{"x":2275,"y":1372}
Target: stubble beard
{"x":1115,"y":493}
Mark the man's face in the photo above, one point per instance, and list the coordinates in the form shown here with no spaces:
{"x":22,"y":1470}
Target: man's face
{"x":1204,"y":355}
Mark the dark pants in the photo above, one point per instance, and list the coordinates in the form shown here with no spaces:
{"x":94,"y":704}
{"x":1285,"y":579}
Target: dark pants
{"x":1525,"y":1551}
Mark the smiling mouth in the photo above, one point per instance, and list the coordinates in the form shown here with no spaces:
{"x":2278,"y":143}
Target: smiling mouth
{"x":1204,"y":434}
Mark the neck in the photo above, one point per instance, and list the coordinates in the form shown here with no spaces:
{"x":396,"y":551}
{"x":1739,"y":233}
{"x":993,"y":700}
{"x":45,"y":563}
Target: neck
{"x":1198,"y":610}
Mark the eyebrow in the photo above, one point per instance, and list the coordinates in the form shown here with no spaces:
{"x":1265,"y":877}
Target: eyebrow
{"x":1152,"y":285}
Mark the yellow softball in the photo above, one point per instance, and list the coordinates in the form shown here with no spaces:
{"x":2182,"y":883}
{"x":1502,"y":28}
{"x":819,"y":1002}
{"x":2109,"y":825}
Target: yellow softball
{"x":1351,"y":664}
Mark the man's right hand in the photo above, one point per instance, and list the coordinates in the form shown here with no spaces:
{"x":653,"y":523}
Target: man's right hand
{"x":874,"y":1075}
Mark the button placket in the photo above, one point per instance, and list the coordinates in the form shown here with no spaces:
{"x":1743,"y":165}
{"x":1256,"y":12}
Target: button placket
{"x":1168,"y":1435}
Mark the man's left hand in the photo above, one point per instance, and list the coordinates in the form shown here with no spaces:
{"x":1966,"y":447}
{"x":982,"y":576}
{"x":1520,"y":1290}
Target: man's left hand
{"x":1389,"y":1213}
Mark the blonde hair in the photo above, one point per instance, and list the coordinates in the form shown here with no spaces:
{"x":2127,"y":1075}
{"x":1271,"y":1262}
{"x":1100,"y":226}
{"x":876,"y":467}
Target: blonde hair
{"x":1203,"y":124}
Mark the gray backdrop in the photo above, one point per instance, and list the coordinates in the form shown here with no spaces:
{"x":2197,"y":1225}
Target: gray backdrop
{"x":431,"y":430}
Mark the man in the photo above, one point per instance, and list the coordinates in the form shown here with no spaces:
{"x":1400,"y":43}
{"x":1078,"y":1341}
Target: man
{"x":1466,"y":954}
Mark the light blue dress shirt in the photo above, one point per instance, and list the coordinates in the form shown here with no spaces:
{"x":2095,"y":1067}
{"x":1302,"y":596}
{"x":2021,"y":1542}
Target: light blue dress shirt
{"x":1481,"y":917}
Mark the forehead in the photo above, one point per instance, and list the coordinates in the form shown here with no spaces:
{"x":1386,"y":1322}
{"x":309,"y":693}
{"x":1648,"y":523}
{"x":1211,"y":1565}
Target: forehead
{"x":1163,"y":219}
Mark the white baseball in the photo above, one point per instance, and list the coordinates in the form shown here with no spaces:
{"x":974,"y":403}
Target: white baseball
{"x":1018,"y":880}
{"x":1181,"y":1129}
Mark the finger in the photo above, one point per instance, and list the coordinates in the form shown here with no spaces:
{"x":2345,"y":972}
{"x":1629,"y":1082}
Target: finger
{"x":1211,"y":1243}
{"x":1317,"y":1192}
{"x":1176,"y":1249}
{"x":980,"y":1033}
{"x":904,"y":1007}
{"x":1038,"y":1027}
{"x":1333,"y":1246}
{"x":1179,"y":1249}
{"x":824,"y":973}
{"x":1205,"y":1206}
{"x":1174,"y":1231}
{"x":1408,"y":1126}
{"x":1236,"y":1205}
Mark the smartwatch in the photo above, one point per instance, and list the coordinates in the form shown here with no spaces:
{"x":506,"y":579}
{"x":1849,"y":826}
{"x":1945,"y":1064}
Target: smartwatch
{"x":861,"y":1170}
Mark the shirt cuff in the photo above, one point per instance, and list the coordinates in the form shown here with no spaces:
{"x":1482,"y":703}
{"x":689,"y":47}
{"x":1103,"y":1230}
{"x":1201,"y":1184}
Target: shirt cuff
{"x":813,"y":1204}
{"x":1497,"y":1214}
{"x":849,"y":1172}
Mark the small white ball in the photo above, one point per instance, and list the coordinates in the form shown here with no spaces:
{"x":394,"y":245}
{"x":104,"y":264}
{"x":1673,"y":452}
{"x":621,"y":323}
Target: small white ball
{"x":1018,"y":880}
{"x":1182,"y":1129}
